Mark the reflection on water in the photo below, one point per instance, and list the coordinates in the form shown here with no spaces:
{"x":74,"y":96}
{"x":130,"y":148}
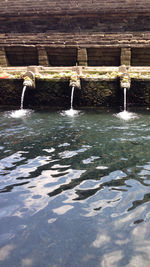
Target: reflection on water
{"x":74,"y":191}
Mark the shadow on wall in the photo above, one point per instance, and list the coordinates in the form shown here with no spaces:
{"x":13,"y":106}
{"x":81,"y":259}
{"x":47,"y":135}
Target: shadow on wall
{"x":104,"y":56}
{"x":26,"y":56}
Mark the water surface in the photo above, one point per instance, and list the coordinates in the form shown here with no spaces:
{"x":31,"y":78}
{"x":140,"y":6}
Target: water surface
{"x":74,"y":191}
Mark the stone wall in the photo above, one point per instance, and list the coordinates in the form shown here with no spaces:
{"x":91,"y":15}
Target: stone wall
{"x":62,"y":56}
{"x":72,"y":22}
{"x":100,"y":94}
{"x":69,"y":33}
{"x":139,"y":93}
{"x":57,"y":94}
{"x":82,"y":40}
{"x":21,"y":56}
{"x":71,"y":56}
{"x":72,"y":6}
{"x":140,"y":57}
{"x":103,"y":56}
{"x":103,"y":22}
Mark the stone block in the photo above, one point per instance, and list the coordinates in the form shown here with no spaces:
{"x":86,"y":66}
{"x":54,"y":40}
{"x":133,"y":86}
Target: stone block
{"x":125,"y":56}
{"x":82,"y":57}
{"x":42,"y":57}
{"x":3,"y":58}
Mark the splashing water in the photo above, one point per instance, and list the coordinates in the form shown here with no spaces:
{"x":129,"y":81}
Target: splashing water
{"x":125,"y":115}
{"x":71,"y":112}
{"x":21,"y":112}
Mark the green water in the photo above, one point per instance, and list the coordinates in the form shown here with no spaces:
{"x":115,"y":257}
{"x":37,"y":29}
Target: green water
{"x":74,"y":191}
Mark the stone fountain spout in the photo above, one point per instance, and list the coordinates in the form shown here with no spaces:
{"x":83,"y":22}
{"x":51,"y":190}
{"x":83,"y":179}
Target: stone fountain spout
{"x":75,"y":82}
{"x":29,"y":79}
{"x":125,"y":79}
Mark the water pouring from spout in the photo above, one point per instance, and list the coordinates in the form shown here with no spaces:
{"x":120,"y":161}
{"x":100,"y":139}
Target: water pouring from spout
{"x":21,"y":112}
{"x":72,"y":93}
{"x":125,"y":99}
{"x":71,"y":111}
{"x":22,"y":96}
{"x":125,"y":115}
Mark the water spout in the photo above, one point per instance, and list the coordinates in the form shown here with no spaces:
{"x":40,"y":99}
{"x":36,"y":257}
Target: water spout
{"x":72,"y":94}
{"x":29,"y":79}
{"x":71,"y":112}
{"x":21,"y":112}
{"x":22,"y":96}
{"x":125,"y":115}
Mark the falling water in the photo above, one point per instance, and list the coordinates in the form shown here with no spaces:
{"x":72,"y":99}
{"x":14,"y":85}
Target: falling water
{"x":21,"y":112}
{"x":72,"y":93}
{"x":125,"y":99}
{"x":125,"y":115}
{"x":22,"y":97}
{"x":71,"y":111}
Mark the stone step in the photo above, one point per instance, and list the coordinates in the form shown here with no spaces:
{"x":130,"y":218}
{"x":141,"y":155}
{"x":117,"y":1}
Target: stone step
{"x":61,"y":6}
{"x":119,"y":39}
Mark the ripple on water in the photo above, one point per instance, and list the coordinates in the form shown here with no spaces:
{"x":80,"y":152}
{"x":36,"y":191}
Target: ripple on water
{"x":69,"y":181}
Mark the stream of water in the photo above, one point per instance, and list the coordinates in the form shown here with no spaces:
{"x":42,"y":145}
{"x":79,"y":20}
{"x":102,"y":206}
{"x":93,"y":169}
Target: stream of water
{"x":22,"y":97}
{"x":125,"y":99}
{"x":71,"y":112}
{"x":72,"y":94}
{"x":74,"y":191}
{"x":21,"y":112}
{"x":126,"y":115}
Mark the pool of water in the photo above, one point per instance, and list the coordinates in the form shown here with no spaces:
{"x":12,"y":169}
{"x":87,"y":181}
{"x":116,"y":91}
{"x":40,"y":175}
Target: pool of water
{"x":74,"y":190}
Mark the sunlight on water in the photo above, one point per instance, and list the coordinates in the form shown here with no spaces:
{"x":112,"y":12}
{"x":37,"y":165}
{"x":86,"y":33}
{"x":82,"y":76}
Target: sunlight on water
{"x":125,"y":115}
{"x":74,"y":191}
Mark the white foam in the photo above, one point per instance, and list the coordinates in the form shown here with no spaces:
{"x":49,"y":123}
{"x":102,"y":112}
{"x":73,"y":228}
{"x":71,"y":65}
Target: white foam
{"x":125,"y":115}
{"x":71,"y":112}
{"x":20,"y":113}
{"x":101,"y":168}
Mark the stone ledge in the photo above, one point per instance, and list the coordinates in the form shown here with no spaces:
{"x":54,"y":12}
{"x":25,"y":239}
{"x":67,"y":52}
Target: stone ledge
{"x":75,"y":40}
